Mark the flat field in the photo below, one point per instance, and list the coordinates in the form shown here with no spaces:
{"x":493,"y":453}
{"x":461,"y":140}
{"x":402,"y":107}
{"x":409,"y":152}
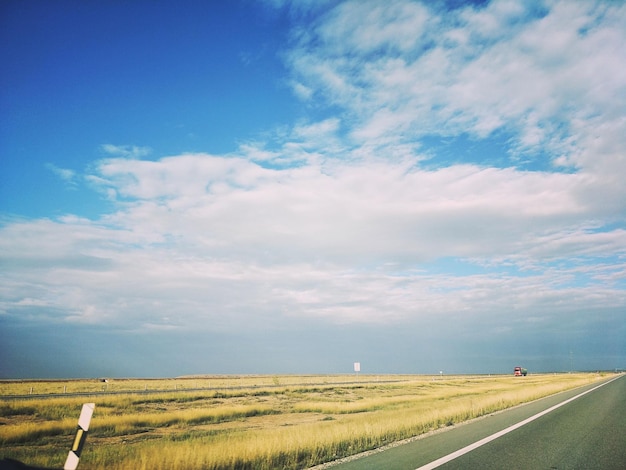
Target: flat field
{"x":247,"y":422}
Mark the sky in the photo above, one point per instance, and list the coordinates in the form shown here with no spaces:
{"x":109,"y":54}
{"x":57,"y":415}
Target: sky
{"x":293,"y":186}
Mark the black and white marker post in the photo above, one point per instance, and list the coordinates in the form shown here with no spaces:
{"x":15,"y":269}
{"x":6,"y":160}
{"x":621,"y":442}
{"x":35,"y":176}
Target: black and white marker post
{"x":81,"y":434}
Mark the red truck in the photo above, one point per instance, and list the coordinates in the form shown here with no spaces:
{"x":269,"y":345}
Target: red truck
{"x":519,"y":371}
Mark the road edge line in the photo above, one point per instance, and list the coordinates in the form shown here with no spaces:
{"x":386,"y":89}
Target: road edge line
{"x":493,"y":437}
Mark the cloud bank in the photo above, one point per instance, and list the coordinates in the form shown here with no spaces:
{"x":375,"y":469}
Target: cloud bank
{"x":386,"y":207}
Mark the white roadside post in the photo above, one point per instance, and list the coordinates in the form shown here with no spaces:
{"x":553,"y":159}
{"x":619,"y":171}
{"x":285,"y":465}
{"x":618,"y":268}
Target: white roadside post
{"x":81,"y":434}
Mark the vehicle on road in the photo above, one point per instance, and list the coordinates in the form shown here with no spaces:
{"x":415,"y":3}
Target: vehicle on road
{"x":519,"y":371}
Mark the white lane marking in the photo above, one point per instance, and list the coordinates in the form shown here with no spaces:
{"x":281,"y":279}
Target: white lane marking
{"x":482,"y":442}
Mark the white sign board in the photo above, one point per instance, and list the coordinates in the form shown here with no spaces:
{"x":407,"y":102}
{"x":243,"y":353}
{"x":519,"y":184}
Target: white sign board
{"x":357,"y":367}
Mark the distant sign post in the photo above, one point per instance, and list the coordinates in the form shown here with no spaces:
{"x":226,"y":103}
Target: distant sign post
{"x":357,"y":367}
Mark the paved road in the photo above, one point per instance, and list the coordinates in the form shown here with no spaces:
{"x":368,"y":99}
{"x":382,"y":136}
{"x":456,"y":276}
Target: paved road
{"x":587,"y":433}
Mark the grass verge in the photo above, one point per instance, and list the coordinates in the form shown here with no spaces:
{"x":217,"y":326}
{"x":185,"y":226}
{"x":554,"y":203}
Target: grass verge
{"x":260,"y":426}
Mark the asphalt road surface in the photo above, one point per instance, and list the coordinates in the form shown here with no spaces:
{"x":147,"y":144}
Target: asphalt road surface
{"x":589,"y":432}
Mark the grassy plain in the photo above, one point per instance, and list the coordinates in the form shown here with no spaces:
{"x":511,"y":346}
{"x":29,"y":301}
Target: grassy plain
{"x":249,"y":422}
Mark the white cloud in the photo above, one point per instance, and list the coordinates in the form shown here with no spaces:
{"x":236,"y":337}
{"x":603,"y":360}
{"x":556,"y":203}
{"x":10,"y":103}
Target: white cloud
{"x":367,"y":27}
{"x":343,"y":240}
{"x":255,"y":151}
{"x":344,"y":220}
{"x":126,"y":151}
{"x":67,"y":175}
{"x":347,"y":209}
{"x":303,"y":92}
{"x":506,"y":66}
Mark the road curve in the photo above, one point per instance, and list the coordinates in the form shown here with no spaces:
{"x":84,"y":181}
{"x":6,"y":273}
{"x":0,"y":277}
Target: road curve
{"x":588,"y":432}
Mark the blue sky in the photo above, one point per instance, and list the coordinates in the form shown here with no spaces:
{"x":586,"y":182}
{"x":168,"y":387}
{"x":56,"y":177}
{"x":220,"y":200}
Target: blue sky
{"x":292,"y":186}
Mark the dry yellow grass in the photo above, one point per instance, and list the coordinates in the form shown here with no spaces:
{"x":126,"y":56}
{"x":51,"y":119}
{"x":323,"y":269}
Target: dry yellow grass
{"x":37,"y":387}
{"x":269,"y":425}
